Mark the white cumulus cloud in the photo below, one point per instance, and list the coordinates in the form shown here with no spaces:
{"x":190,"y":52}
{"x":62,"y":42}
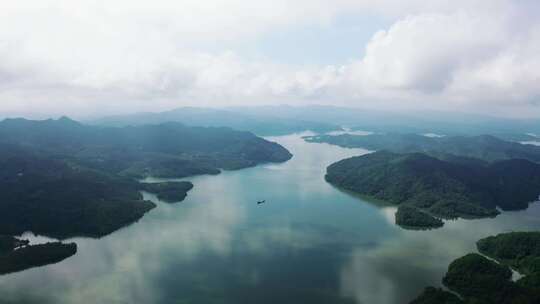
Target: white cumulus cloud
{"x":102,"y":57}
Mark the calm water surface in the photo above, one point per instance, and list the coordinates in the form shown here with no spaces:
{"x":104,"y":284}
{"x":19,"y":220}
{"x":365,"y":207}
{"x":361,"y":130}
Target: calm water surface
{"x":310,"y":243}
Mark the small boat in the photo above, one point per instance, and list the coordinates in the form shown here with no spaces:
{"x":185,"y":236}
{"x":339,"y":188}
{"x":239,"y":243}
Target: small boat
{"x":261,"y":202}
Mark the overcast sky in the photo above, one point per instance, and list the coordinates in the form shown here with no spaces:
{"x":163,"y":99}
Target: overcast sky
{"x":99,"y":57}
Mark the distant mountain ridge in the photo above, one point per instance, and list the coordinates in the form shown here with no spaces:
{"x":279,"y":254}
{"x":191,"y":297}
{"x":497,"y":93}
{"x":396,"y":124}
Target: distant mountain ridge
{"x":260,"y":124}
{"x":448,"y":123}
{"x":485,"y":147}
{"x":215,"y":147}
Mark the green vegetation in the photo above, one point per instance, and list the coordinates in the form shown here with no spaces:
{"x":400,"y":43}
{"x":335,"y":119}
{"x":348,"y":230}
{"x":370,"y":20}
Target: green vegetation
{"x":50,"y":197}
{"x":474,"y":276}
{"x":407,"y":216}
{"x":169,"y":167}
{"x":158,"y":150}
{"x":519,"y":250}
{"x":456,"y":187}
{"x":531,"y":281}
{"x":34,"y":256}
{"x":62,"y":178}
{"x":170,"y":191}
{"x":484,"y":147}
{"x":479,"y":280}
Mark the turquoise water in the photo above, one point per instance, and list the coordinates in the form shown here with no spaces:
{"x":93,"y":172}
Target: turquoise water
{"x":309,"y":243}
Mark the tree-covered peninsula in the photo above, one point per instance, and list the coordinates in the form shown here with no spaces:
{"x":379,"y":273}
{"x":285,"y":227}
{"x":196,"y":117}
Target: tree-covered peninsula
{"x":17,"y":255}
{"x":62,"y":178}
{"x":62,"y":199}
{"x":170,"y":192}
{"x":519,"y":250}
{"x":452,"y":188}
{"x":414,"y":218}
{"x":165,"y":150}
{"x":479,"y":280}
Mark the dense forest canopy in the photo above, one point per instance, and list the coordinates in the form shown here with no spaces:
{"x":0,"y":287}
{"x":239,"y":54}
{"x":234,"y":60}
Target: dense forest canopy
{"x":479,"y":280}
{"x":455,"y":187}
{"x":28,"y":256}
{"x":63,"y":178}
{"x":520,"y":250}
{"x":153,"y":149}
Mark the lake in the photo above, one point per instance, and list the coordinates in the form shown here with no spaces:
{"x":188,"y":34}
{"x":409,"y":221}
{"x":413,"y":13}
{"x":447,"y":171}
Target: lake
{"x":309,"y":243}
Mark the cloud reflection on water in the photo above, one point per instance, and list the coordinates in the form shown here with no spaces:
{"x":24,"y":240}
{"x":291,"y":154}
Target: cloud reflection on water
{"x":400,"y":267}
{"x":308,"y":240}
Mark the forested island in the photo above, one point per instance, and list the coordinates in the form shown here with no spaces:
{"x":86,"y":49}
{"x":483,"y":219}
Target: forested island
{"x":62,"y":178}
{"x":479,"y":280}
{"x":17,"y":255}
{"x":427,"y":188}
{"x":484,"y":147}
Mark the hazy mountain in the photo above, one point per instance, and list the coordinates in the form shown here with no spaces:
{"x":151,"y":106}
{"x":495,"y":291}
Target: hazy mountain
{"x":259,"y":123}
{"x":485,"y":147}
{"x":405,"y":122}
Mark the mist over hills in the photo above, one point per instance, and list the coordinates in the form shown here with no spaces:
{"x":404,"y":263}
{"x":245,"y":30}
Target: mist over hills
{"x":284,"y":119}
{"x":485,"y":147}
{"x":449,"y":123}
{"x":258,"y":123}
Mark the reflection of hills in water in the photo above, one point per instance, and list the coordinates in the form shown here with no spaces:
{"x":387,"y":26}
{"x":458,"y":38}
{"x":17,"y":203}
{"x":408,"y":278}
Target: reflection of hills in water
{"x":311,"y":244}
